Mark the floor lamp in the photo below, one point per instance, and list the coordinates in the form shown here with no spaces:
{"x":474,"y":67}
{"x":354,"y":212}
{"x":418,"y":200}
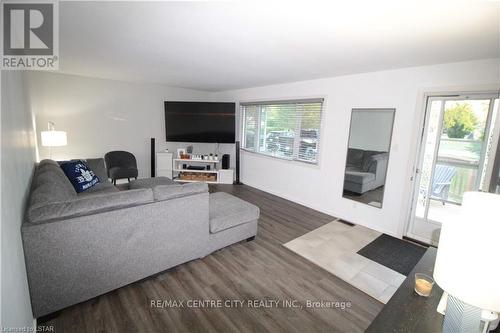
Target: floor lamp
{"x":467,"y":263}
{"x":52,"y":138}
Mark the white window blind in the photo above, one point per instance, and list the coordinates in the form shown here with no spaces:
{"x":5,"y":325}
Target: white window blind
{"x":284,"y":129}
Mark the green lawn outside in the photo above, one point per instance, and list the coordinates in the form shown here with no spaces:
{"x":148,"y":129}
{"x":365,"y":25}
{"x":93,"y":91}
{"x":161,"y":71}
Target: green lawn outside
{"x":467,"y":150}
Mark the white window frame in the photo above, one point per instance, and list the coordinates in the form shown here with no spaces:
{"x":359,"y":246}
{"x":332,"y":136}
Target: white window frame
{"x":297,"y":138}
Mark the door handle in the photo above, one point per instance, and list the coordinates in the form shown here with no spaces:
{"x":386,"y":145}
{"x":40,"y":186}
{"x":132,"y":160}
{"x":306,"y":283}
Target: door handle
{"x":417,"y":171}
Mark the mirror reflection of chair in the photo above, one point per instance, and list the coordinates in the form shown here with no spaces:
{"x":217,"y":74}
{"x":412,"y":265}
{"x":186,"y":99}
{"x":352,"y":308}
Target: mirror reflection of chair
{"x":121,"y":165}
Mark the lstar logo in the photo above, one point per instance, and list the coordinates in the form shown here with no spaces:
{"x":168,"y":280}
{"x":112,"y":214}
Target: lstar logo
{"x":29,"y":35}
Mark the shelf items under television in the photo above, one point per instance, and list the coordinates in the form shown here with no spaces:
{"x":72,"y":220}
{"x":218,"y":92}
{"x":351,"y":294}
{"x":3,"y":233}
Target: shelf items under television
{"x":173,"y":168}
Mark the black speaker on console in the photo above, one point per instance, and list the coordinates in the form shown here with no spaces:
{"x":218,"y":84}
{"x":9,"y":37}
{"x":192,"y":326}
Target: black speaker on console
{"x":153,"y":157}
{"x":237,"y":181}
{"x":225,"y":161}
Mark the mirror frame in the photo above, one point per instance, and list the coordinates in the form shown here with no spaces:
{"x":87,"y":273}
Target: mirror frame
{"x":393,"y":110}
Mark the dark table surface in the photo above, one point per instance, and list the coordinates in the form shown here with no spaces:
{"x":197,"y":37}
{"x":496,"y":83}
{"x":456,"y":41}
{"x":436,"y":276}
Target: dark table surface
{"x":408,"y":312}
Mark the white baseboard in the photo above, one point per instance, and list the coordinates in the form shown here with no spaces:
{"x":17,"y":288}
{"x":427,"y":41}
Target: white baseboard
{"x":318,"y":208}
{"x":288,"y":197}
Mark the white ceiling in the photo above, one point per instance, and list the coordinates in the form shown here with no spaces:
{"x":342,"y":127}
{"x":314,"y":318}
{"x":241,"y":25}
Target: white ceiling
{"x":225,"y":45}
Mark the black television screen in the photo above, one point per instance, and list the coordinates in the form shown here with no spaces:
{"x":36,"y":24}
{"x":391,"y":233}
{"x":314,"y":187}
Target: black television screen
{"x":200,"y":122}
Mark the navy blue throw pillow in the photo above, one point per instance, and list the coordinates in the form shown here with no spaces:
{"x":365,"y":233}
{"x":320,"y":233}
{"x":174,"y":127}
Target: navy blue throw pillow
{"x":80,"y":175}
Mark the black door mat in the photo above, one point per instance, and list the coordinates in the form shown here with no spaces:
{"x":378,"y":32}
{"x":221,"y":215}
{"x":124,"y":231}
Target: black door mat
{"x":396,"y":254}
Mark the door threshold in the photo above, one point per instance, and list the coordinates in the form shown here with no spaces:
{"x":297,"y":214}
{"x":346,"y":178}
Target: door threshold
{"x":418,"y":242}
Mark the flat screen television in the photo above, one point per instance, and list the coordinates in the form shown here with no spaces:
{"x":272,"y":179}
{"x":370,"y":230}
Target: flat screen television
{"x":200,"y":122}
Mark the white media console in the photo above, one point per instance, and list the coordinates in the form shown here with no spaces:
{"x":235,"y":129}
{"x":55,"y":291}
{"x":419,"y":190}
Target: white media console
{"x":173,"y":168}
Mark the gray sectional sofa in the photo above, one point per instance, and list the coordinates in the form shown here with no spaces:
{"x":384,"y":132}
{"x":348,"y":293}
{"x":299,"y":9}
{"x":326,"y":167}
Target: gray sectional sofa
{"x":365,"y":170}
{"x":78,"y":246}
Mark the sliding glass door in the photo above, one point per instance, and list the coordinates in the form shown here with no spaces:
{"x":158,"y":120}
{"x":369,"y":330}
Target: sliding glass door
{"x":456,"y":154}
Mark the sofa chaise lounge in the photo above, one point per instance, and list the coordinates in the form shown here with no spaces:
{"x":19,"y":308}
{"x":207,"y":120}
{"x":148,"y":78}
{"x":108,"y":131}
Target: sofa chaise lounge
{"x":365,"y":170}
{"x":79,"y":246}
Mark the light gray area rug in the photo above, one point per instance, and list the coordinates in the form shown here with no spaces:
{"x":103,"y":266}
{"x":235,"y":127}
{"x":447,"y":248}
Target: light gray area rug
{"x":333,"y":247}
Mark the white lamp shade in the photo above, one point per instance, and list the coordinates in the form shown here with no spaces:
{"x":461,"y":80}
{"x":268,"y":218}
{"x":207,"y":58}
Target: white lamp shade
{"x":54,"y":138}
{"x":468,"y":252}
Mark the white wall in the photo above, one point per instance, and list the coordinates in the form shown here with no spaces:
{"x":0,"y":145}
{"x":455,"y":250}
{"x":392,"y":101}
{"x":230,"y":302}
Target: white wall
{"x":103,"y":115}
{"x":320,"y":187}
{"x":371,"y":129}
{"x":18,"y":158}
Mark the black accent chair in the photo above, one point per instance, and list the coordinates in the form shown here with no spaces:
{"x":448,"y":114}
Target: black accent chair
{"x":121,"y":165}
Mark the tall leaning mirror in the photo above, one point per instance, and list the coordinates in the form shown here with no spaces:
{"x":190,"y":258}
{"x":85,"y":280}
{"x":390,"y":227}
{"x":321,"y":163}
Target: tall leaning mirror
{"x":368,"y":155}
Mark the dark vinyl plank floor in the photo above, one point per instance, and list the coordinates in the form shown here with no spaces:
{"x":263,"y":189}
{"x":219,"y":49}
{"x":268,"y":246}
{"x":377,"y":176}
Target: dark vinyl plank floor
{"x":259,"y":270}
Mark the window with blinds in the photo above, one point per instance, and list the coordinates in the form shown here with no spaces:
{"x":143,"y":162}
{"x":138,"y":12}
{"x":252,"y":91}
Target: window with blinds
{"x":283,"y":129}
